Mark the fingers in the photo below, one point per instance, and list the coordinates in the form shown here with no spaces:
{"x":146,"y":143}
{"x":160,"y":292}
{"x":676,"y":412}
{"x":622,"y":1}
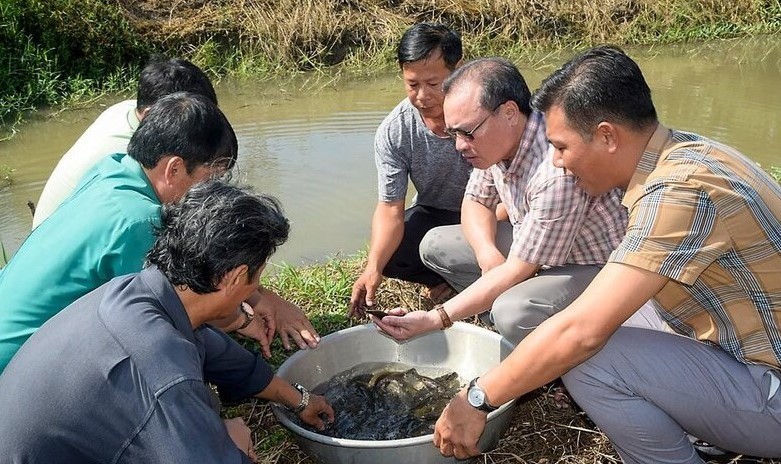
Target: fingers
{"x":311,"y":339}
{"x":357,"y":302}
{"x":371,"y":293}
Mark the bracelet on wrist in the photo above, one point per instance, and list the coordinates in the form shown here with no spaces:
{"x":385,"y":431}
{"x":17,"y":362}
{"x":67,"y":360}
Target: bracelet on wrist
{"x":446,"y":322}
{"x":304,"y":399}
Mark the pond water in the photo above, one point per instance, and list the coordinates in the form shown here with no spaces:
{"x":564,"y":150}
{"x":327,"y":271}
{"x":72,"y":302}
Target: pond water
{"x":313,"y":148}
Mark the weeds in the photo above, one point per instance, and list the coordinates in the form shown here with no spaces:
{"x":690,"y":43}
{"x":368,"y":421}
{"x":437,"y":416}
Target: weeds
{"x":64,"y":51}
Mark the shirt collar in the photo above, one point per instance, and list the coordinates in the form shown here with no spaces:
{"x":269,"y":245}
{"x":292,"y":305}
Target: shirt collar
{"x":170,"y":304}
{"x":137,"y":171}
{"x":647,"y":164}
{"x":533,"y":136}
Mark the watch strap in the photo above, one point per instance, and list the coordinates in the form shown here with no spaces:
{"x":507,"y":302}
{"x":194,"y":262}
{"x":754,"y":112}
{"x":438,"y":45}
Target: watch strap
{"x":485,"y":406}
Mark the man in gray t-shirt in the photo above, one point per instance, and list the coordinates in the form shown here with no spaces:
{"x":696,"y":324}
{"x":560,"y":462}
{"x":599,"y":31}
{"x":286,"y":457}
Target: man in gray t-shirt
{"x":412,"y":144}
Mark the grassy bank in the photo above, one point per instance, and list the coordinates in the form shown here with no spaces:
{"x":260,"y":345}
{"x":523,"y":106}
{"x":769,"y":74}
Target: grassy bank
{"x":55,"y":51}
{"x":540,"y":432}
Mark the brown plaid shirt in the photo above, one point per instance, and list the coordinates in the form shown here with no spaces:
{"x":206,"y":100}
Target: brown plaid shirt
{"x":709,"y":218}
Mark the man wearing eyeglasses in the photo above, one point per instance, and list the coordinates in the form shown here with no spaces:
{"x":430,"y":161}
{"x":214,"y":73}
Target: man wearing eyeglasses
{"x":412,"y":144}
{"x":558,"y":237}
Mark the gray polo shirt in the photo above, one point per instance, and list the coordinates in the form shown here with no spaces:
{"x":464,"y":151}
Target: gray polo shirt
{"x":119,"y":377}
{"x":404,"y":148}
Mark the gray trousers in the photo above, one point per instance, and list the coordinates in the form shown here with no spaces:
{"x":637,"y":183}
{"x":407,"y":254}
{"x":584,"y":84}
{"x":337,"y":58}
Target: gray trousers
{"x":521,"y":308}
{"x":647,"y":389}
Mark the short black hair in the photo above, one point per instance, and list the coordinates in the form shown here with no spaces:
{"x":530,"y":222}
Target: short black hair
{"x":186,"y":125}
{"x":163,"y":76}
{"x":215,"y":228}
{"x":499,"y":79}
{"x":422,"y":39}
{"x":600,"y":84}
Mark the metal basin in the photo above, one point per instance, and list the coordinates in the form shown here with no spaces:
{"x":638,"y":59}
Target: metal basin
{"x":464,"y":348}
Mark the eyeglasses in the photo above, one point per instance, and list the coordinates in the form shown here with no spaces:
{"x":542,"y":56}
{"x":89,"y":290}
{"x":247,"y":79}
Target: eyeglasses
{"x":454,"y":133}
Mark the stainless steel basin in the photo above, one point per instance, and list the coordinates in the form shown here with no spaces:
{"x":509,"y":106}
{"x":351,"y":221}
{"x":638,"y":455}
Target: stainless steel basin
{"x":464,"y":348}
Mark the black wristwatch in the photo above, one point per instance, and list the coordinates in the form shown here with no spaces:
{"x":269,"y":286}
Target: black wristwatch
{"x":476,"y":397}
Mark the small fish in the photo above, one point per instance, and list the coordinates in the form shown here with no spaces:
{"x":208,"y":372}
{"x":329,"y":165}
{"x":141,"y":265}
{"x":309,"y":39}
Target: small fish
{"x":377,"y":313}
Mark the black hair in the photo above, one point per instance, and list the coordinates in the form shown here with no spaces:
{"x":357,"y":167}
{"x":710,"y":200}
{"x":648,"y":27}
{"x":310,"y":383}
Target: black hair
{"x":423,"y":39}
{"x":186,"y":125}
{"x":161,"y":77}
{"x":600,"y":84}
{"x":215,"y":228}
{"x":499,"y":79}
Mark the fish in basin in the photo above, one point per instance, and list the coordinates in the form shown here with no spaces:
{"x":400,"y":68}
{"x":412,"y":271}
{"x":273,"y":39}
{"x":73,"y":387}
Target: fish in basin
{"x":386,"y":401}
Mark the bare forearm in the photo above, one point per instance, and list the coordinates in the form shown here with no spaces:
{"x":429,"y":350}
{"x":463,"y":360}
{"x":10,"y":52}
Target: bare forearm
{"x":386,"y":235}
{"x":280,"y":392}
{"x":479,"y":225}
{"x":481,"y":295}
{"x":573,"y":335}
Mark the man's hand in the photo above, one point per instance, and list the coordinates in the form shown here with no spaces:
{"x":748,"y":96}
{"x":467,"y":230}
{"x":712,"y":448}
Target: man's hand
{"x":241,"y":436}
{"x":261,"y":328}
{"x":291,"y":321}
{"x":402,"y":325}
{"x":364,"y":292}
{"x":459,"y":428}
{"x":317,"y":407}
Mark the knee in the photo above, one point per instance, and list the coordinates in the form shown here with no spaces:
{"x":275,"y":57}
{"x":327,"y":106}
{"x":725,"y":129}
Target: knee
{"x":429,"y":248}
{"x":442,"y":248}
{"x":516,"y":317}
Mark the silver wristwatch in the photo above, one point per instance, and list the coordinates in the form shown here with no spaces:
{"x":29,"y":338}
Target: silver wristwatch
{"x":476,"y":397}
{"x":304,"y":398}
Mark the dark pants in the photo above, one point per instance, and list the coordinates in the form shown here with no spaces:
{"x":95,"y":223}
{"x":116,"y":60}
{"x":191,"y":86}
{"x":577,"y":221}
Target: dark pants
{"x":405,"y":264}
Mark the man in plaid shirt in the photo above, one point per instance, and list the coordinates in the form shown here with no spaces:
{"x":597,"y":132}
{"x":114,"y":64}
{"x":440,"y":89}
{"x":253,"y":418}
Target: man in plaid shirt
{"x":703,"y":239}
{"x":558,"y":236}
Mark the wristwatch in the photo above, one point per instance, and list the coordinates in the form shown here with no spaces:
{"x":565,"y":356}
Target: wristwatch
{"x":249,"y":314}
{"x":476,"y":397}
{"x":304,"y":399}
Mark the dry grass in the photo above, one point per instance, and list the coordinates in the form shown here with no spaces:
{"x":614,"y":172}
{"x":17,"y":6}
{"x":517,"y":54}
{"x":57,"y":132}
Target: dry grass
{"x":539,"y":433}
{"x":310,"y":34}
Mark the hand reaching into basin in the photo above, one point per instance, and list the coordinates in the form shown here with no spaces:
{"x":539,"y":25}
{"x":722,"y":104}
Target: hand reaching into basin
{"x":403,"y":325}
{"x":316,"y":410}
{"x":459,"y":428}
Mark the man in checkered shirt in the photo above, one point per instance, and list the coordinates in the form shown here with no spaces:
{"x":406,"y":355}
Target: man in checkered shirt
{"x":558,"y":236}
{"x":703,"y":239}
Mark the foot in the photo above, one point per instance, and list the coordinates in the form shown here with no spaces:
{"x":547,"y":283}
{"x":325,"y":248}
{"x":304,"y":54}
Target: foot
{"x":439,"y":293}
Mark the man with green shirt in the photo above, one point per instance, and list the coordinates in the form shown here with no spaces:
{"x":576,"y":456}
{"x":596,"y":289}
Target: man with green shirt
{"x":106,"y":227}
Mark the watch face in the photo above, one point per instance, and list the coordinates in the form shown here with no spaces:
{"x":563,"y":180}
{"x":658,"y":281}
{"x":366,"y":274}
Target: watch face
{"x":476,"y":396}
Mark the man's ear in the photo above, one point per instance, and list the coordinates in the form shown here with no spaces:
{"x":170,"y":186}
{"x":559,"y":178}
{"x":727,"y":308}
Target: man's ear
{"x":174,"y":168}
{"x":608,"y":134}
{"x":236,"y":277}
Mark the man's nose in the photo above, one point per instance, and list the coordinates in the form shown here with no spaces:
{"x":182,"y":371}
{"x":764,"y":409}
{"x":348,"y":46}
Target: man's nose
{"x":558,"y":160}
{"x":461,"y":144}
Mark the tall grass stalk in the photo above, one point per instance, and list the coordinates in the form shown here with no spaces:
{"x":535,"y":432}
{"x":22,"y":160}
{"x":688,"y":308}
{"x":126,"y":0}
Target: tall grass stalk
{"x":61,"y":51}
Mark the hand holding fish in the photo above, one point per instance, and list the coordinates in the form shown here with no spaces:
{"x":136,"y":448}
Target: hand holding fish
{"x":403,"y":325}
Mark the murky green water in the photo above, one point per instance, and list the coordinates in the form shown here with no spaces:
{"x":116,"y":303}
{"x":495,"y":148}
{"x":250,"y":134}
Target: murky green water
{"x":313,"y":149}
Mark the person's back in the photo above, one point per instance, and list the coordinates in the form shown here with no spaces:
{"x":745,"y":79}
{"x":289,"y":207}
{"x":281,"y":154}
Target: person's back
{"x":106,"y":227}
{"x":111,"y":131}
{"x":113,"y":391}
{"x":103,"y":230}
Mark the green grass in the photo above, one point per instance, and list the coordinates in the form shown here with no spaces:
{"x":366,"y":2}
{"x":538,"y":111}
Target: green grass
{"x":55,"y":52}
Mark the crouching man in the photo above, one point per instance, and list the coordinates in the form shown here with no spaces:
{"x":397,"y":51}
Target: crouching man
{"x":121,"y":374}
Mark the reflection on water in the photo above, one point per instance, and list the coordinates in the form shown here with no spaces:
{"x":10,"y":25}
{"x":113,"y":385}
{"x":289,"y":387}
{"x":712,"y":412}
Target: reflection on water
{"x":313,"y":149}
